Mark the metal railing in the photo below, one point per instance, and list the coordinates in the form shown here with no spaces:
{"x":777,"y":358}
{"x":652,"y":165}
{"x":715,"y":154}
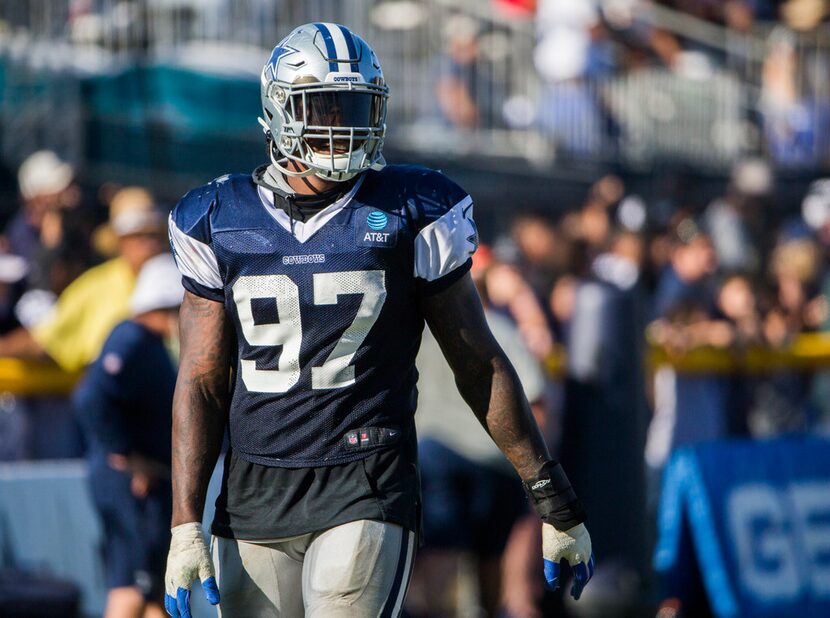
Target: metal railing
{"x":636,"y":117}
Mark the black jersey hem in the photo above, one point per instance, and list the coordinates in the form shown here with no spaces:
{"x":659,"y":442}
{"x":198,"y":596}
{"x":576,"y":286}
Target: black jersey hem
{"x":350,"y":457}
{"x":259,"y":503}
{"x":263,"y":535}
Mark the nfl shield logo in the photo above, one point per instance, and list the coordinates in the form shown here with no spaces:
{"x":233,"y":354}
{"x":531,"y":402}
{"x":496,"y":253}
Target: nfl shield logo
{"x":353,"y":439}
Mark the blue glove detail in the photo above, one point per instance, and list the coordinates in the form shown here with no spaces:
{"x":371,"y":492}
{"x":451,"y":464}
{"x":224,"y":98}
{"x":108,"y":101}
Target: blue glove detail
{"x":582,"y":575}
{"x":170,"y":606}
{"x":211,"y":590}
{"x":183,"y":602}
{"x":552,"y":574}
{"x":180,"y":607}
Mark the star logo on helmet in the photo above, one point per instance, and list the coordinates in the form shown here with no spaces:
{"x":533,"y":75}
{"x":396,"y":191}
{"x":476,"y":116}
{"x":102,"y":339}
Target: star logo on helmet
{"x":276,"y":55}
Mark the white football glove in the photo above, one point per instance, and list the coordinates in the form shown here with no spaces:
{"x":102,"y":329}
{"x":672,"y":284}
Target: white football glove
{"x":187,"y":560}
{"x":574,"y":545}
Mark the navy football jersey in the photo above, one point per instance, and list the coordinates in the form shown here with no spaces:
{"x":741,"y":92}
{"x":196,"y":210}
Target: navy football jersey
{"x":325,"y":310}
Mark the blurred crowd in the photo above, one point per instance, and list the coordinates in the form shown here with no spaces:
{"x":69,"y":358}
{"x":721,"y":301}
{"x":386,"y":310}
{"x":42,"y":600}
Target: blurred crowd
{"x":602,"y":282}
{"x":575,"y":298}
{"x":68,"y":267}
{"x":594,"y":59}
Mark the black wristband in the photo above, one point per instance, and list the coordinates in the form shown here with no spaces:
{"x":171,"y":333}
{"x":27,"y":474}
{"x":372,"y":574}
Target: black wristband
{"x":555,"y":500}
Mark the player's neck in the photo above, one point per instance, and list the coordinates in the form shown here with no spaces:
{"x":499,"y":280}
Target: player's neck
{"x":308,"y":185}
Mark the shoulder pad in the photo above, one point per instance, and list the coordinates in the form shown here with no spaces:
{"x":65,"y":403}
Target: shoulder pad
{"x":425,"y":193}
{"x":193,"y":212}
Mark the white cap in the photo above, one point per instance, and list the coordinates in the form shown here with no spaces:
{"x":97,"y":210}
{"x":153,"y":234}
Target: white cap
{"x":12,"y":268}
{"x":815,"y":208}
{"x":43,"y":173}
{"x":159,"y":286}
{"x":136,"y":221}
{"x":133,"y":210}
{"x":752,"y":177}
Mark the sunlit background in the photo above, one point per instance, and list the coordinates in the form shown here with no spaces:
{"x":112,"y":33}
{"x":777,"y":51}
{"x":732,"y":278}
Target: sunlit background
{"x":652,"y":189}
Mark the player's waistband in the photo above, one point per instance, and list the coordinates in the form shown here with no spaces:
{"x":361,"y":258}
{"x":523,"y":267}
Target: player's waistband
{"x":353,"y":445}
{"x":365,"y":437}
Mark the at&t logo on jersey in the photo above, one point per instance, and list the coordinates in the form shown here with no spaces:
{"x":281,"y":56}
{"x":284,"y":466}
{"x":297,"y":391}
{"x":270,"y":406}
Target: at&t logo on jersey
{"x":376,"y":229}
{"x":377,"y":220}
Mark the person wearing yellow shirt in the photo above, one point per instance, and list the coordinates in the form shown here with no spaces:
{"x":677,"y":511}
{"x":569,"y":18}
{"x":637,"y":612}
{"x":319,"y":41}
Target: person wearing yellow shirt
{"x":74,"y":331}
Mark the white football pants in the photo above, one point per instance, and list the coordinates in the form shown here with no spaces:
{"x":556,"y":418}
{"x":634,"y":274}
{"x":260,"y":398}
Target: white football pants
{"x":358,"y":570}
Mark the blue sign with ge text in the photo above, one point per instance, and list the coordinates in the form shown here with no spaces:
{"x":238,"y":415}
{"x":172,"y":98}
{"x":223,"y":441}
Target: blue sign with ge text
{"x":754,"y":519}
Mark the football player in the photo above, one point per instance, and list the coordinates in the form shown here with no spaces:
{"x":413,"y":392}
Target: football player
{"x":311,"y":280}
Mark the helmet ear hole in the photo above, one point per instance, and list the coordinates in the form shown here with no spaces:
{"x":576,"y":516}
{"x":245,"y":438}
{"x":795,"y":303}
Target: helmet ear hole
{"x":269,"y":114}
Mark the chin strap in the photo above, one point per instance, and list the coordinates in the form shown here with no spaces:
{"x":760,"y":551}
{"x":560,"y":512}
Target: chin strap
{"x":297,"y":207}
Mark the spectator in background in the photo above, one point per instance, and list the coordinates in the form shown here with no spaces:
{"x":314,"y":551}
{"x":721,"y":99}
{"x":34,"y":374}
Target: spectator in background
{"x":738,"y":306}
{"x":46,"y":187}
{"x":737,"y":222}
{"x":573,"y":44}
{"x":605,"y":412}
{"x":562,"y":300}
{"x":50,"y":231}
{"x":536,"y":250}
{"x":510,"y":293}
{"x":815,"y":209}
{"x":124,"y":404}
{"x":13,"y":271}
{"x":591,"y":225}
{"x":471,"y":499}
{"x":687,"y":408}
{"x":461,"y":82}
{"x":794,"y":269}
{"x":783,"y":397}
{"x":796,"y":112}
{"x":688,"y":276}
{"x":75,"y":329}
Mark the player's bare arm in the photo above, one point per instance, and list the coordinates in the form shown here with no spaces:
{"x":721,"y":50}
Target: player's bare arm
{"x":484,"y":375}
{"x":200,"y":403}
{"x":200,"y":406}
{"x":490,"y":386}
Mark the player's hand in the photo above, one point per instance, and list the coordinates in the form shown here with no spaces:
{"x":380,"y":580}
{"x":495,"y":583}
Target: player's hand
{"x":144,"y":473}
{"x":188,"y":560}
{"x":573,"y":545}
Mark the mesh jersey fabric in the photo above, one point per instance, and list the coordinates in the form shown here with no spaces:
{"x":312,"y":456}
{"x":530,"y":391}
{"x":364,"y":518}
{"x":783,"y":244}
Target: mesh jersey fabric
{"x":327,"y":328}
